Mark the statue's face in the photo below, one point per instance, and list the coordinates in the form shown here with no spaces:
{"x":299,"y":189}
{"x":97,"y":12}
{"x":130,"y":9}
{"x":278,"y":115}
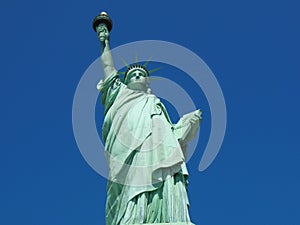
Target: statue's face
{"x":138,"y":79}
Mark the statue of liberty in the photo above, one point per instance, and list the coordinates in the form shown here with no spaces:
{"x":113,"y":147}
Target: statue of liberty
{"x":145,"y":151}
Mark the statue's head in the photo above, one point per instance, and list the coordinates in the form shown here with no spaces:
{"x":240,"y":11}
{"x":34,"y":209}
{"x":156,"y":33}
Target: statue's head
{"x":137,"y":78}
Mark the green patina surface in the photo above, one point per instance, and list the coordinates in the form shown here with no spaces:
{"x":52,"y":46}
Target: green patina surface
{"x":145,"y":151}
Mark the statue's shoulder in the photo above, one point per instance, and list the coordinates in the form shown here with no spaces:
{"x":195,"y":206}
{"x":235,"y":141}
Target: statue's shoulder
{"x":112,"y":82}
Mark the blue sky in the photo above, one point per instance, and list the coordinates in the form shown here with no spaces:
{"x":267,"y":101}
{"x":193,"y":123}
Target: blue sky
{"x":251,"y":46}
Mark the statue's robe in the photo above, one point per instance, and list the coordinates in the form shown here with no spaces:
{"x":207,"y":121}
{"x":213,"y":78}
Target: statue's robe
{"x":147,"y":170}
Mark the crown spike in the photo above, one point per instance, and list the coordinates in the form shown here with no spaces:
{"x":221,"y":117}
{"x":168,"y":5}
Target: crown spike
{"x":147,"y":62}
{"x":125,"y":63}
{"x":154,"y":70}
{"x":155,"y":78}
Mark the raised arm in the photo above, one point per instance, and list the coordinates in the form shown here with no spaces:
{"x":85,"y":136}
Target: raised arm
{"x":105,"y":53}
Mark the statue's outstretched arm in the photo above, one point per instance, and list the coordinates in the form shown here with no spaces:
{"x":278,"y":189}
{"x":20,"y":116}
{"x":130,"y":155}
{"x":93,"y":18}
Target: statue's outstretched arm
{"x":105,"y":53}
{"x":187,"y":126}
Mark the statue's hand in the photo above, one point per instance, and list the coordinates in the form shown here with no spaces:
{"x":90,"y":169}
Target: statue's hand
{"x":187,"y":127}
{"x":103,"y":33}
{"x":195,"y":122}
{"x":196,"y":119}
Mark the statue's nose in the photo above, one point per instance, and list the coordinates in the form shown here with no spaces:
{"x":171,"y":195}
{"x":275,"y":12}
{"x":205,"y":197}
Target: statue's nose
{"x":137,"y":77}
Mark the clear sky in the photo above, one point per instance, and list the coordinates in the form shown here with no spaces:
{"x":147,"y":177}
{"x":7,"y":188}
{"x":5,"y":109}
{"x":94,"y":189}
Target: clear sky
{"x":252,"y":47}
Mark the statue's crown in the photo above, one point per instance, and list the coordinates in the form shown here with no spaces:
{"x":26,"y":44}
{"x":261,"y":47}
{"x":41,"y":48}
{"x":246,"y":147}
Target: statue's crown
{"x":136,"y":67}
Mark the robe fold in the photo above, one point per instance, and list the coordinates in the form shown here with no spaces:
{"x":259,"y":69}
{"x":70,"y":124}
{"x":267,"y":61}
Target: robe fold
{"x":147,"y":170}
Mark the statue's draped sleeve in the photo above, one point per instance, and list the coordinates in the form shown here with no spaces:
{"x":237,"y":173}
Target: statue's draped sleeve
{"x":110,"y":88}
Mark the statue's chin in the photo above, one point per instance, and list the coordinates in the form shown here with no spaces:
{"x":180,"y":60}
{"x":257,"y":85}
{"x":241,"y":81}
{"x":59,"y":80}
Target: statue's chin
{"x":137,"y":87}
